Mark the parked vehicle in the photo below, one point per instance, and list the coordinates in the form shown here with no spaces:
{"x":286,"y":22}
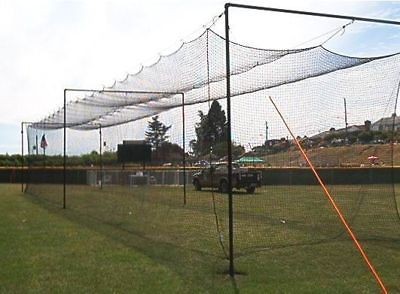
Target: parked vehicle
{"x":216,"y":176}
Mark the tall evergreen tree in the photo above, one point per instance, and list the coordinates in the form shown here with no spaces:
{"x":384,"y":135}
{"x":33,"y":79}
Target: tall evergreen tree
{"x":156,"y":133}
{"x":211,"y":130}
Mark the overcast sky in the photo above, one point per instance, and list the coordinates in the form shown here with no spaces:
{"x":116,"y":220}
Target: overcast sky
{"x":49,"y":45}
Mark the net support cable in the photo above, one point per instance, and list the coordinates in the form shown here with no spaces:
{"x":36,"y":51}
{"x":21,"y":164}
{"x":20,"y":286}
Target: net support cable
{"x":333,"y":203}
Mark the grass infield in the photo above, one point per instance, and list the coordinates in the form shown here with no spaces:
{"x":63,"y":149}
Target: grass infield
{"x":143,"y":240}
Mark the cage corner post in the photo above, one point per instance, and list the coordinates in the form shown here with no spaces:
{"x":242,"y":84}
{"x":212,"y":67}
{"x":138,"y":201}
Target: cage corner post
{"x":183,"y":148}
{"x":101,"y":156}
{"x":229,"y":141}
{"x":22,"y":157}
{"x":65,"y":149}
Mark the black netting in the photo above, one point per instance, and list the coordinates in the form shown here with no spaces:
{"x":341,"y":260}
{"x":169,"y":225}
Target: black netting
{"x":343,"y":110}
{"x":200,"y":64}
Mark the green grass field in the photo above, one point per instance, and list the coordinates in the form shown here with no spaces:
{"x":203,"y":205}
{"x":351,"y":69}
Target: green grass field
{"x":143,"y":240}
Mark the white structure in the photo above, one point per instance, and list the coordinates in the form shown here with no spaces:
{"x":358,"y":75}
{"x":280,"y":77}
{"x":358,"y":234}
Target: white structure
{"x":386,"y":124}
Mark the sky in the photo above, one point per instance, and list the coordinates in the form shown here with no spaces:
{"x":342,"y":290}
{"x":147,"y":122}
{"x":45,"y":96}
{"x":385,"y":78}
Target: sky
{"x":49,"y":45}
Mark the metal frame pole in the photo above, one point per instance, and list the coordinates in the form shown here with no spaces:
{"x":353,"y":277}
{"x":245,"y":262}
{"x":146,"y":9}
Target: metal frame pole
{"x":345,"y":120}
{"x":65,"y":125}
{"x":392,"y":149}
{"x":23,"y":174}
{"x":22,"y":157}
{"x":65,"y":150}
{"x":184,"y":149}
{"x":101,"y":157}
{"x":121,"y":91}
{"x":229,"y":142}
{"x":36,"y":144}
{"x":228,"y":92}
{"x":326,"y":15}
{"x":23,"y":178}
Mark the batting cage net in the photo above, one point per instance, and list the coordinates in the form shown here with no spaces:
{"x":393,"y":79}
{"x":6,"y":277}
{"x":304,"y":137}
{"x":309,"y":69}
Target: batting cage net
{"x":170,"y":199}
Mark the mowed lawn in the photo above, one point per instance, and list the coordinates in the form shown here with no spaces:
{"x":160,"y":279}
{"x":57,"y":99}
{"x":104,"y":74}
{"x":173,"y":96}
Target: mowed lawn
{"x":41,"y":251}
{"x":143,"y":240}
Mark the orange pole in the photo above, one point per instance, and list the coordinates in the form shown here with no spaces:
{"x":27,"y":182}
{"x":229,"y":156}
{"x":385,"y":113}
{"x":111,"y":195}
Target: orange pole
{"x":335,"y":206}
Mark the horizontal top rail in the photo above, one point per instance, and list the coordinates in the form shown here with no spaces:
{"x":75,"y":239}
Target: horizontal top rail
{"x":349,"y":17}
{"x":121,"y":91}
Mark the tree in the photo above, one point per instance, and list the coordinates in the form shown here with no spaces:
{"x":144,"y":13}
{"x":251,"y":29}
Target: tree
{"x":365,"y":137}
{"x":170,"y":151}
{"x":211,"y":133}
{"x":156,"y":133}
{"x":211,"y":129}
{"x":221,"y":149}
{"x":217,"y":129}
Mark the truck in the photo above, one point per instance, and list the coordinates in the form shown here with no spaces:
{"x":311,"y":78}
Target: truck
{"x":216,"y":176}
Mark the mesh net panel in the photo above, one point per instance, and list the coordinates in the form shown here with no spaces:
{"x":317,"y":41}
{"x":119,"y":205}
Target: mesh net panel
{"x":198,"y":69}
{"x":280,"y":212}
{"x":44,"y":175}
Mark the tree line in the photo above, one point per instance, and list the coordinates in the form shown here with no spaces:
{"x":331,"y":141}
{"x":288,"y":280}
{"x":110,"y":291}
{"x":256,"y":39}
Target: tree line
{"x":211,"y":136}
{"x":210,"y":143}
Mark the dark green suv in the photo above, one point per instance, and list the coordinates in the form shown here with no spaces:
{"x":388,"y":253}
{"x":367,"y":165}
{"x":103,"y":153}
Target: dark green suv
{"x":216,"y":176}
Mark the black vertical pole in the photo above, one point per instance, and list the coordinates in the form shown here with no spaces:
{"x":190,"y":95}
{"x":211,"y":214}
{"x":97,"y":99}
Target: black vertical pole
{"x":345,"y":119}
{"x":229,"y":141}
{"x":184,"y":149}
{"x":101,"y":158}
{"x":22,"y":157}
{"x":36,"y":146}
{"x":392,"y":148}
{"x":65,"y":149}
{"x":65,"y":123}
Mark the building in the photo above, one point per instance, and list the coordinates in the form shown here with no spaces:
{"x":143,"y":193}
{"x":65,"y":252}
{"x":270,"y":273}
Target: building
{"x":350,"y":129}
{"x":386,"y":124}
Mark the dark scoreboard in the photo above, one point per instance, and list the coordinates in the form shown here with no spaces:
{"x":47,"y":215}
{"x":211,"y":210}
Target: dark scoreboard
{"x":134,"y":151}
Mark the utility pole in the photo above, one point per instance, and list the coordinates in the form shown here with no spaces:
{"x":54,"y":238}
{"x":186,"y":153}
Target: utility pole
{"x":36,"y":145}
{"x":266,"y":133}
{"x":345,"y":120}
{"x":101,"y":157}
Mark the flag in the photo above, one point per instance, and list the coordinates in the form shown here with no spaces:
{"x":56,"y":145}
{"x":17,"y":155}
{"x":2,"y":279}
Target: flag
{"x":43,"y":142}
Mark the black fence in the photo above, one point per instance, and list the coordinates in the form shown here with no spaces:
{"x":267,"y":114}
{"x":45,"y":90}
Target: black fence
{"x":270,"y":176}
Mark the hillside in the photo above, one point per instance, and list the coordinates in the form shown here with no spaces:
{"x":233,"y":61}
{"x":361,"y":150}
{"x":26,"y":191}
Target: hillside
{"x":353,"y":155}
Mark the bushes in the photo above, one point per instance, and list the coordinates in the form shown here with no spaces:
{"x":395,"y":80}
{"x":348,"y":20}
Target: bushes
{"x":93,"y":158}
{"x":10,"y":160}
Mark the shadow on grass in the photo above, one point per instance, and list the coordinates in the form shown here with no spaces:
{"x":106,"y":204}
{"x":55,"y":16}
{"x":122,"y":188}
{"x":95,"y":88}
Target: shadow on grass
{"x":202,"y":271}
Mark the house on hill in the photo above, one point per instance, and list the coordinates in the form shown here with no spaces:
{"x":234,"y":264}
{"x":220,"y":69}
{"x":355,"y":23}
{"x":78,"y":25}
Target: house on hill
{"x":386,"y":124}
{"x":351,"y":129}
